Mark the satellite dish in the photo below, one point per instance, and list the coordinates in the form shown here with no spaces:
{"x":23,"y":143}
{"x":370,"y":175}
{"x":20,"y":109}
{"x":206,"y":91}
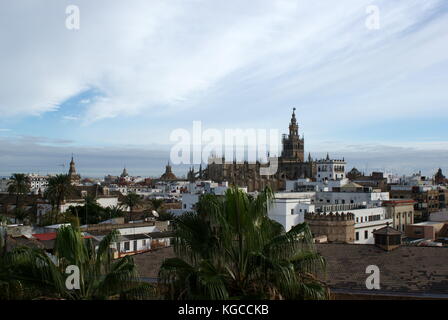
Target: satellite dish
{"x":155,"y":214}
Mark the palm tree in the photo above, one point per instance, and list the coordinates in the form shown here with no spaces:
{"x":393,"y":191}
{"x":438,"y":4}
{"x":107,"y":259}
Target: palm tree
{"x":114,"y":212}
{"x":132,"y":200}
{"x":18,"y":186}
{"x":100,"y":276}
{"x":156,"y":204}
{"x":21,"y":214}
{"x":59,"y":187}
{"x":10,"y":288}
{"x":3,"y":221}
{"x":230,"y":249}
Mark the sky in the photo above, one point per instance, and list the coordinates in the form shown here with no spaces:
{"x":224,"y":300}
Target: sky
{"x":113,"y":91}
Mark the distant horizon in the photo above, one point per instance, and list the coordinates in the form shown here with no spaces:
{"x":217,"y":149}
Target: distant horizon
{"x":157,"y":168}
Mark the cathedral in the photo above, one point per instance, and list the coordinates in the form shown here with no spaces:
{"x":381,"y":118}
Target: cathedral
{"x":291,"y":165}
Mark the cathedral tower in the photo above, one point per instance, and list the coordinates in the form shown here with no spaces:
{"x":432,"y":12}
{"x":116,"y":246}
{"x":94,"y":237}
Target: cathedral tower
{"x":293,"y":145}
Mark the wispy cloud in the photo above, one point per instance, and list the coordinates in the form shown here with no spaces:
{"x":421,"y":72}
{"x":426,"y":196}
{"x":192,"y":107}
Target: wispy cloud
{"x":157,"y":53}
{"x":70,"y":118}
{"x":136,"y":71}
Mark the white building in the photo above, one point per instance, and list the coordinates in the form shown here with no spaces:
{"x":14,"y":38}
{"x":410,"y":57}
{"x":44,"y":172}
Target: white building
{"x":369,"y":197}
{"x":145,"y":192}
{"x":137,"y":239}
{"x":330,"y":169}
{"x":104,"y":201}
{"x":196,"y":189}
{"x":303,"y":185}
{"x":289,"y":208}
{"x":38,"y":183}
{"x":189,"y":201}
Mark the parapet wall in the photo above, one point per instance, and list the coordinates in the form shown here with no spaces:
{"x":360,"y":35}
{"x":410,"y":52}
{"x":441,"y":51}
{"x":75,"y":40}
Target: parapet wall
{"x":330,"y":216}
{"x":338,"y":227}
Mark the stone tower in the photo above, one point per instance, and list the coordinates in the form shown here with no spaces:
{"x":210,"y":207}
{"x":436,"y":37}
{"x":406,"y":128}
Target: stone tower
{"x":293,"y":145}
{"x":338,"y":227}
{"x":74,"y":177}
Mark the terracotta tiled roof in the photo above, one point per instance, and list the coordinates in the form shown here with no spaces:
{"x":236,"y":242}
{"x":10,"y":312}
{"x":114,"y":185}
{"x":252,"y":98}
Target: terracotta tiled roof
{"x":149,"y":263}
{"x":387,"y":231}
{"x":407,"y":269}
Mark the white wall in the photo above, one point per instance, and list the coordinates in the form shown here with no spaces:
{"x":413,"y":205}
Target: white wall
{"x":138,"y":230}
{"x":142,"y":245}
{"x":440,"y":216}
{"x":188,"y":201}
{"x":289,"y":209}
{"x":350,"y":197}
{"x":108,"y":202}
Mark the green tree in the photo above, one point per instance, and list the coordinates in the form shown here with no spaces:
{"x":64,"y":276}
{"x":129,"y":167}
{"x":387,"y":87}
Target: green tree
{"x":91,"y":212}
{"x":132,"y":200}
{"x":230,"y":249}
{"x":101,"y":277}
{"x":113,"y":212}
{"x":156,"y":204}
{"x":21,"y":214}
{"x":59,"y":188}
{"x":165,"y":216}
{"x":10,"y":288}
{"x":18,"y":186}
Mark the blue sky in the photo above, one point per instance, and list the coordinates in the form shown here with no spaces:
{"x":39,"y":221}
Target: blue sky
{"x":113,"y":91}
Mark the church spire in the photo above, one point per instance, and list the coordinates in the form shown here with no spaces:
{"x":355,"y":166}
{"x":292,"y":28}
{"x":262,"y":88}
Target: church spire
{"x":74,"y":177}
{"x":72,"y":169}
{"x":293,"y":127}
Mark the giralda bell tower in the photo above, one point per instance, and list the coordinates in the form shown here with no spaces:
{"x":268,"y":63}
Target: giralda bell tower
{"x":293,"y":145}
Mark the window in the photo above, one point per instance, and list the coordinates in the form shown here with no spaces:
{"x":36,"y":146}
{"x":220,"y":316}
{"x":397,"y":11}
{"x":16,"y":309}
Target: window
{"x":357,"y":220}
{"x":126,"y":246}
{"x":366,"y":234}
{"x":118,"y":246}
{"x":292,"y":211}
{"x":357,"y":236}
{"x":144,"y":242}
